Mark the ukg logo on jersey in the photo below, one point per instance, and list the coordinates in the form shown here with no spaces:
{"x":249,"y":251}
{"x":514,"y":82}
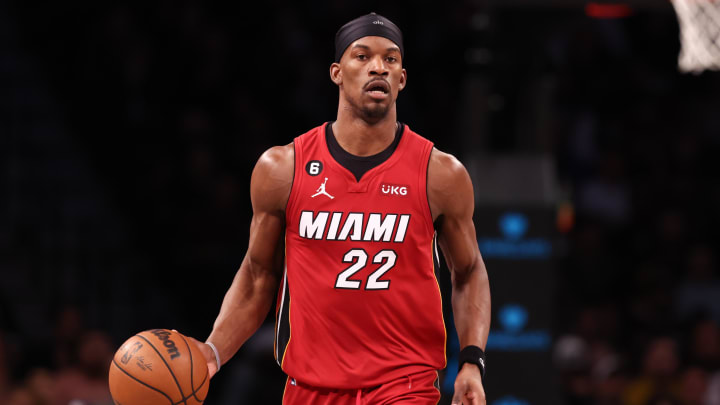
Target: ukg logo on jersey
{"x":393,"y":189}
{"x":513,"y":244}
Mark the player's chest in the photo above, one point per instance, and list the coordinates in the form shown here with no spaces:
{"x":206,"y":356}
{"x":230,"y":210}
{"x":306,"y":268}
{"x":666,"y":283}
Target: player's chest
{"x":337,"y":208}
{"x":378,"y":191}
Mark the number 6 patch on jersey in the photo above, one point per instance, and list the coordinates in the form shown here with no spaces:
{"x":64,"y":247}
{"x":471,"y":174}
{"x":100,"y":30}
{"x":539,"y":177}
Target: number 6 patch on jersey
{"x":314,"y":167}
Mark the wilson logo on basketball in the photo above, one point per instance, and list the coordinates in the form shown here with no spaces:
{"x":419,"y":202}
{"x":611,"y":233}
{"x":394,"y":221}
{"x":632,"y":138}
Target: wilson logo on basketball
{"x":393,"y":189}
{"x":164,"y":336}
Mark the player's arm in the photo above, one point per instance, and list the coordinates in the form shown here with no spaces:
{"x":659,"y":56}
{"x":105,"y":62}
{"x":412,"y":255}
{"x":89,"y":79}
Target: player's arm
{"x":250,"y":296}
{"x":451,"y":197}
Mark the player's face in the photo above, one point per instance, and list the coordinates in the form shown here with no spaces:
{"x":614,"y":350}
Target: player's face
{"x":370,"y":75}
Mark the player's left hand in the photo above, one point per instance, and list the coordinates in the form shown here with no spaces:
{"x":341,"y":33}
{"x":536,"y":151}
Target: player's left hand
{"x":468,"y":386}
{"x":207,"y":352}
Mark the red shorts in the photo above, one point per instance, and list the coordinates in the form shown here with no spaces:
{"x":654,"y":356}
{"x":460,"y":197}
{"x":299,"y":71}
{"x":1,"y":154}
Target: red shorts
{"x":415,"y":389}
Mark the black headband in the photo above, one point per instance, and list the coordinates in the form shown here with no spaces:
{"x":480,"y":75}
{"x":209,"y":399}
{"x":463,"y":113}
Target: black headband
{"x":365,"y":26}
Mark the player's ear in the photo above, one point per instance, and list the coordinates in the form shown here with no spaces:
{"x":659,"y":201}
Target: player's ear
{"x":336,"y":73}
{"x":403,"y":80}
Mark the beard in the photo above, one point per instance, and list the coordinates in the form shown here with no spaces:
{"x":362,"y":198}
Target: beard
{"x":371,"y":113}
{"x":375,"y":112}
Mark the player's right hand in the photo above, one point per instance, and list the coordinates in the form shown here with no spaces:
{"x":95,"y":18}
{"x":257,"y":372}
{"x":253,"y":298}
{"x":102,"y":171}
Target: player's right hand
{"x":209,"y":356}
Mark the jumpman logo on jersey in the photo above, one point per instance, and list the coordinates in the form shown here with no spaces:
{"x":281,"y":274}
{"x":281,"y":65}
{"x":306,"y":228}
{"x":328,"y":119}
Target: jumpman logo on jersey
{"x":321,"y":190}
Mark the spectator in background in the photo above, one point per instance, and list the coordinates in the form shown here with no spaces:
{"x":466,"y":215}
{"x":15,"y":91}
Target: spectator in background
{"x":700,"y":289}
{"x":712,"y":395}
{"x":607,"y":196}
{"x":572,"y":358}
{"x":609,"y":376}
{"x":704,"y":344}
{"x":4,"y":370}
{"x":20,"y":396}
{"x":592,"y":370}
{"x":663,"y":400}
{"x":69,"y":327}
{"x":43,"y":388}
{"x":693,"y":385}
{"x":658,"y":377}
{"x":85,"y":381}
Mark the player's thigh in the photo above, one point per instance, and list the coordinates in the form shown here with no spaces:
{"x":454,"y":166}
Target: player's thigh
{"x":297,"y":393}
{"x":416,"y":389}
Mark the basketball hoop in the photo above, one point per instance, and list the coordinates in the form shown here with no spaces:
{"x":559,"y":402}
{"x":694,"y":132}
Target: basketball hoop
{"x":699,"y":34}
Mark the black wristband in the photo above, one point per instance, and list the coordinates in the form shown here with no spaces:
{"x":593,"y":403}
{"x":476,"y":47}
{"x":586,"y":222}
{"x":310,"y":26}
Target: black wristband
{"x":473,"y":355}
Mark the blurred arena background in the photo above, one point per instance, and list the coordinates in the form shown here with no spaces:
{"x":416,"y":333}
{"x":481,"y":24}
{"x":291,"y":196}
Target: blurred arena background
{"x":128,"y":134}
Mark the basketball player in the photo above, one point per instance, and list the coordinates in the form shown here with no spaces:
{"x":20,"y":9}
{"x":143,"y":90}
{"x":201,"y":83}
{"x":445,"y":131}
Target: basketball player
{"x":343,"y":234}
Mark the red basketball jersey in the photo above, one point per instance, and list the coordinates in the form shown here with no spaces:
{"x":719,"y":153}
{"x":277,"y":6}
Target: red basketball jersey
{"x":359,"y":303}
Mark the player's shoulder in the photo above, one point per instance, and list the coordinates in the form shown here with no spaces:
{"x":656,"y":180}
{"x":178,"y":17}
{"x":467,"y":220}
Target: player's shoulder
{"x":272,"y":178}
{"x":450,"y":190}
{"x":276,"y":164}
{"x":279,"y":155}
{"x":445,"y":167}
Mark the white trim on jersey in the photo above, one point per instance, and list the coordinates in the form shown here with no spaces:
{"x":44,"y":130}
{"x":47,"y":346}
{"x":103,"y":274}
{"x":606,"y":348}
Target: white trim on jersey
{"x":279,"y":321}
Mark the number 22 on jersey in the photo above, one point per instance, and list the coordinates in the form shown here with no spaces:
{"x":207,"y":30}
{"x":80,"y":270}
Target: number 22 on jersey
{"x":358,"y":257}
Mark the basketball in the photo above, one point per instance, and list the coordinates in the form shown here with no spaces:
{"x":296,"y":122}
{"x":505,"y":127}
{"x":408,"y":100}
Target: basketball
{"x":156,"y":367}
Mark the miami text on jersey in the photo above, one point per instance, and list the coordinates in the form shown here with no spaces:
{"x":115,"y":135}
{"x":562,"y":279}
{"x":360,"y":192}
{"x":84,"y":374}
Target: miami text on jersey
{"x":391,"y":227}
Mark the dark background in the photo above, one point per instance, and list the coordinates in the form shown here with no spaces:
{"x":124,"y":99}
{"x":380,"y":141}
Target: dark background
{"x":128,"y":134}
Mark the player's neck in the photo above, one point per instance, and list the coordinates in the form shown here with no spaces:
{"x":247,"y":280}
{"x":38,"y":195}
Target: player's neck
{"x":360,"y":138}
